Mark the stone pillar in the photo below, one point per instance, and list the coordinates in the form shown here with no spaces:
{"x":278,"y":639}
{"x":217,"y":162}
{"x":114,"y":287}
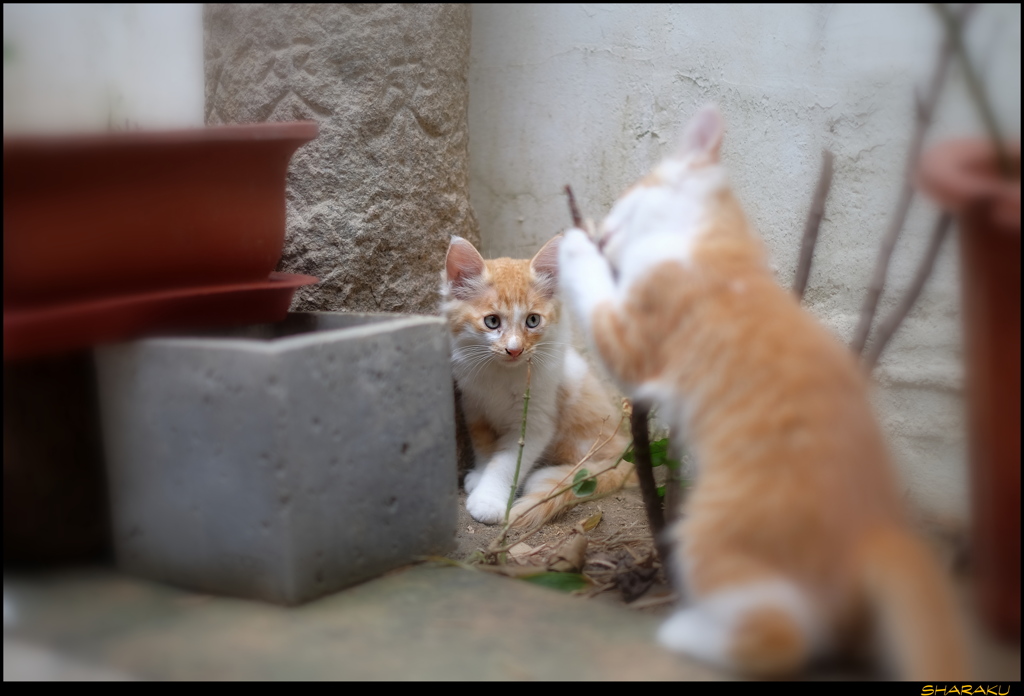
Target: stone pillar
{"x":373,"y":200}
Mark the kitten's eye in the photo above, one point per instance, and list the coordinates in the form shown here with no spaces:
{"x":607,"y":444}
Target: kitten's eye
{"x":492,"y":321}
{"x":532,"y":321}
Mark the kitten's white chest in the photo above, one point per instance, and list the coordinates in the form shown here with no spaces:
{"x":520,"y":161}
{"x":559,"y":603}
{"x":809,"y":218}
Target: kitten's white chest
{"x":496,"y":393}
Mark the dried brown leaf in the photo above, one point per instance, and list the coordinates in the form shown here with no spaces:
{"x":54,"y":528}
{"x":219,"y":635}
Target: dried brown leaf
{"x":521,"y":549}
{"x":589,"y":523}
{"x":569,"y":557}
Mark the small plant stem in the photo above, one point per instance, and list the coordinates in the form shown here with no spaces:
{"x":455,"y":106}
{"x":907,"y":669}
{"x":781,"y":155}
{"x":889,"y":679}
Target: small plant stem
{"x":893,"y":321}
{"x":954,"y":33}
{"x":925,"y":108}
{"x":496,"y":545}
{"x":810,"y":238}
{"x":645,"y":473}
{"x":522,"y":442}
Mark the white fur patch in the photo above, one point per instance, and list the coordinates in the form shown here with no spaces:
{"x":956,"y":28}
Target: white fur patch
{"x":707,"y":629}
{"x":472,"y":480}
{"x":546,"y":479}
{"x":576,"y":367}
{"x":661,"y":222}
{"x":673,"y":409}
{"x":488,"y":501}
{"x":585,"y":276}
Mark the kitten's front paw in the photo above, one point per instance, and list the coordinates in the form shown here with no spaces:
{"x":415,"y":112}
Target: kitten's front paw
{"x":486,"y":506}
{"x":584,"y":275}
{"x":472,"y":480}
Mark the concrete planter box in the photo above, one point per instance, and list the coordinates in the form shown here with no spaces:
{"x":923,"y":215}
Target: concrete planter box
{"x":281,"y":462}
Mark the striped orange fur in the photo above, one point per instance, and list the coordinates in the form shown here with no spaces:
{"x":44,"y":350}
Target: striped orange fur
{"x":794,"y":542}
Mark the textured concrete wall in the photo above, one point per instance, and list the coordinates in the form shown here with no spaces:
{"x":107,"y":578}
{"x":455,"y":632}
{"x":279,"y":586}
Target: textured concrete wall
{"x":374,"y":199}
{"x":593,"y":95}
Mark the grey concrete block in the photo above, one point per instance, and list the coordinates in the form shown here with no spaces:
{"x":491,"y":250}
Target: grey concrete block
{"x":281,"y":462}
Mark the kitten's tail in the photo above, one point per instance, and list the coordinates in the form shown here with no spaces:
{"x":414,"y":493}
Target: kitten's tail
{"x":912,"y":602}
{"x":542,"y":501}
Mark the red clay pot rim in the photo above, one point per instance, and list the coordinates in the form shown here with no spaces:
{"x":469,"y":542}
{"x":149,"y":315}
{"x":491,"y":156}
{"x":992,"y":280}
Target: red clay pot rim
{"x":77,"y":325}
{"x":276,"y":280}
{"x":245,"y":132}
{"x":958,"y":174}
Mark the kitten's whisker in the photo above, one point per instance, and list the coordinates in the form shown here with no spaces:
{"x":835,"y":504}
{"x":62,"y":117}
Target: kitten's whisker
{"x":478,"y":365}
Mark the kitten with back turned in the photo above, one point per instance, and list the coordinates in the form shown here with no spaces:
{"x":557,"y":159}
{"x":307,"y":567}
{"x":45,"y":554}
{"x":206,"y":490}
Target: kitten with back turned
{"x":502,"y":313}
{"x":794,"y":543}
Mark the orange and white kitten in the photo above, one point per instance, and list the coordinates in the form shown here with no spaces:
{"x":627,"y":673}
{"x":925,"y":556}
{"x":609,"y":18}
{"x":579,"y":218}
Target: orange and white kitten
{"x":794,"y":542}
{"x":501,"y":313}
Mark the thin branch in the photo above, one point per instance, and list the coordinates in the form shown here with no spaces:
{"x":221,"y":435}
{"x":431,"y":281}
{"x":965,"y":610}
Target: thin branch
{"x":645,"y":473}
{"x":522,"y":441}
{"x":924,"y":111}
{"x":893,"y":321}
{"x":577,"y":219}
{"x":496,"y":544}
{"x":641,"y":441}
{"x":810,"y":238}
{"x":954,"y":33}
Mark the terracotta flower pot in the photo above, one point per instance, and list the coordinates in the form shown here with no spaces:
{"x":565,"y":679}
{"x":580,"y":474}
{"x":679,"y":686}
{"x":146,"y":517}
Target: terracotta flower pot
{"x":963,"y":178}
{"x":89,"y":216}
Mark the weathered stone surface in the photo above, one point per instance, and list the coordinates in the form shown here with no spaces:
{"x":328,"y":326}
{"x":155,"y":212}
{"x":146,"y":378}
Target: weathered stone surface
{"x":374,"y":199}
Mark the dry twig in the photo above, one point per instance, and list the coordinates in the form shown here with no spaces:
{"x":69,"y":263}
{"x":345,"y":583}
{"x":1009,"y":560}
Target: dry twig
{"x":810,"y":238}
{"x":954,"y":33}
{"x":892,"y":322}
{"x":574,"y":211}
{"x":522,"y":441}
{"x":925,"y":109}
{"x":496,"y":546}
{"x":645,"y":473}
{"x":641,"y":438}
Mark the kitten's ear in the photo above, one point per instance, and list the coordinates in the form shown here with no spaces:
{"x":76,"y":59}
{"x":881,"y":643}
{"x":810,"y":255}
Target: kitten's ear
{"x":464,"y":263}
{"x":545,"y":266}
{"x":703,"y":134}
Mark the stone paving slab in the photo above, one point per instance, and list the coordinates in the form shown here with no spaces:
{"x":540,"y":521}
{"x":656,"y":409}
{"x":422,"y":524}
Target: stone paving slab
{"x":420,"y":623}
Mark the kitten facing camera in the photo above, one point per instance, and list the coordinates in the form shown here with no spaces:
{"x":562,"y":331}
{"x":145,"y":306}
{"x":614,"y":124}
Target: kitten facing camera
{"x":795,"y":543}
{"x":503,"y":313}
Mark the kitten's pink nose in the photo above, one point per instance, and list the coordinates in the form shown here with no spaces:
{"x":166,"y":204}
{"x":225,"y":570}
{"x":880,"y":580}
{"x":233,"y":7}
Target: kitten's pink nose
{"x":514,"y":352}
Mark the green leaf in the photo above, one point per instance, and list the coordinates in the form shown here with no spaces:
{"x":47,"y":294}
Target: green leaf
{"x":659,"y":454}
{"x":661,"y":491}
{"x":581,"y":488}
{"x":659,"y":450}
{"x":628,"y":455}
{"x":565,"y":582}
{"x":476,"y":557}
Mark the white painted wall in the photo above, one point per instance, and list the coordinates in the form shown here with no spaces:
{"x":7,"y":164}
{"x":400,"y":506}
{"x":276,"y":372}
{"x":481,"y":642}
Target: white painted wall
{"x":82,"y":68}
{"x":593,"y":95}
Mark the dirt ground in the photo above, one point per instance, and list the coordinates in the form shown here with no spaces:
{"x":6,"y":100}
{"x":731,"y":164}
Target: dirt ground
{"x":620,"y":562}
{"x":619,"y":557}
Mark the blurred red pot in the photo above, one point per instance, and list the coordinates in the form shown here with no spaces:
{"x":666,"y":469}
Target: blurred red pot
{"x":962,"y":176}
{"x":95,"y":215}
